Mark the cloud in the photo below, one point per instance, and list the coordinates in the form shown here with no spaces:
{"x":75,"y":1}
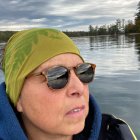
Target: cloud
{"x":63,"y":14}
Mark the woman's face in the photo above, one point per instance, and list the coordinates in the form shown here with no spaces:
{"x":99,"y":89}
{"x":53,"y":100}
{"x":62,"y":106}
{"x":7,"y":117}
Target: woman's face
{"x":54,"y":112}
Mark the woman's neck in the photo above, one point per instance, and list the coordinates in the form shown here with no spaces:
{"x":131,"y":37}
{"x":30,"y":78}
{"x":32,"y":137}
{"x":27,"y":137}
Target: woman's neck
{"x":50,"y":137}
{"x":34,"y":133}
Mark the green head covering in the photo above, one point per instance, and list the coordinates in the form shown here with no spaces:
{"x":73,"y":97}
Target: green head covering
{"x":26,"y":50}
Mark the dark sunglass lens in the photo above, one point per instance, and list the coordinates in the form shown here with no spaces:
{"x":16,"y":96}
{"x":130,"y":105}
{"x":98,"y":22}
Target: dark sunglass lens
{"x":85,"y":72}
{"x":57,"y":77}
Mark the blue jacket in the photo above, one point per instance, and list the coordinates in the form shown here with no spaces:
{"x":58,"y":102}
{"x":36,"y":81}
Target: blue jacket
{"x":97,"y":127}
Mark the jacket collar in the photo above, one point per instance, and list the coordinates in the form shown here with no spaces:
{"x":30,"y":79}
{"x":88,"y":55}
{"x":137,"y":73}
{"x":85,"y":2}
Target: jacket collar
{"x":92,"y":124}
{"x":10,"y":128}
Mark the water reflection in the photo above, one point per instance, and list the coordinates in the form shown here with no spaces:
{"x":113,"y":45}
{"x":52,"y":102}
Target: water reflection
{"x":137,"y":46}
{"x":120,"y":43}
{"x":102,"y":42}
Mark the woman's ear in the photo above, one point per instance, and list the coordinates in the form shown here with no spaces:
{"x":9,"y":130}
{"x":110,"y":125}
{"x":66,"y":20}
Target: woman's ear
{"x":19,"y":105}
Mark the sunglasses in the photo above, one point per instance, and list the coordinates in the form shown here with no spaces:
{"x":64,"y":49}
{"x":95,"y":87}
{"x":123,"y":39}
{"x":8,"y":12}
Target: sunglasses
{"x":57,"y":77}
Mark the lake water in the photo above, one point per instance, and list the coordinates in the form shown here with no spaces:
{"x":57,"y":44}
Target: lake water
{"x":117,"y":82}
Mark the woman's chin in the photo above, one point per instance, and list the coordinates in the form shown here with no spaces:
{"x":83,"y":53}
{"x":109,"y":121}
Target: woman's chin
{"x":76,"y":129}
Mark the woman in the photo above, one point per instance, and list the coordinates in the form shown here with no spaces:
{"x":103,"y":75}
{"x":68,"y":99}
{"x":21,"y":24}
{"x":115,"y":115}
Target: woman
{"x":46,"y":82}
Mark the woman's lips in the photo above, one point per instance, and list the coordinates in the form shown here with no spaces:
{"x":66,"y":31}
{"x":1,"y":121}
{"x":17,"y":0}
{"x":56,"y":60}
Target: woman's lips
{"x":76,"y":111}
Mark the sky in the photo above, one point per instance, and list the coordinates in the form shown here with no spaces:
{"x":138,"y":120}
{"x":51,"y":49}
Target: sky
{"x":65,"y":15}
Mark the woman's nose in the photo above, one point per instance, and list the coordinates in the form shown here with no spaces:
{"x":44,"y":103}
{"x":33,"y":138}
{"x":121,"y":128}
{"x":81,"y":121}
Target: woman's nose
{"x":75,"y":87}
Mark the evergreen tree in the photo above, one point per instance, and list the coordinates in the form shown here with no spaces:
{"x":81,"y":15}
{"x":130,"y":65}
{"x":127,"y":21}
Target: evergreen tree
{"x":91,"y":30}
{"x":137,"y":19}
{"x":138,"y":13}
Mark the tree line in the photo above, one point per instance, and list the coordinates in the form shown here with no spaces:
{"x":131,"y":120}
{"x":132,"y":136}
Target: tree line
{"x":5,"y":35}
{"x":119,"y":27}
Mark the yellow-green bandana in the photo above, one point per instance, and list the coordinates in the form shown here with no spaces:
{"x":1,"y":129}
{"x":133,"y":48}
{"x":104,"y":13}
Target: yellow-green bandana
{"x":26,"y":50}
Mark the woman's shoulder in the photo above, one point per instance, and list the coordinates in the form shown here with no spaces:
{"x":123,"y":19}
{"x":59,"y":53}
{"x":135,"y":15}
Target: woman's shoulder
{"x":113,"y":128}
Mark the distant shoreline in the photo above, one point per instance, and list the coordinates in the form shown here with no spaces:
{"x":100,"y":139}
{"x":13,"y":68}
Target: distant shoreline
{"x":68,"y":33}
{"x":134,"y":33}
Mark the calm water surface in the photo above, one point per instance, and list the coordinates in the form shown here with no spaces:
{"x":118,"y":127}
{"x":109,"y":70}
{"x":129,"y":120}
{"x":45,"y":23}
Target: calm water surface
{"x":117,"y":82}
